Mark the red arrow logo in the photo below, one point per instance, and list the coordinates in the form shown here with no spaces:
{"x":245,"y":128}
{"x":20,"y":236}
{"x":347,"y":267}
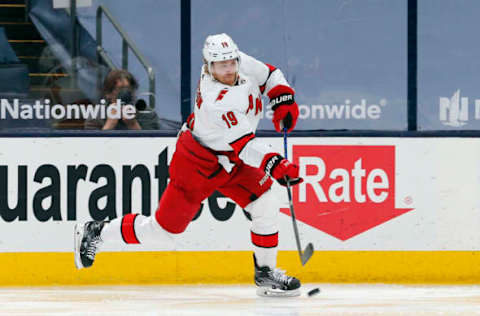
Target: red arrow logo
{"x":347,"y":190}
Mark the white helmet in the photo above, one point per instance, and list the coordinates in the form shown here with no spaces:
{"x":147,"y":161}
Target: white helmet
{"x":220,"y":47}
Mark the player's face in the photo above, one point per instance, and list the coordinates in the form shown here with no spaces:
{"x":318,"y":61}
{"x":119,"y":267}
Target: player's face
{"x":225,"y":71}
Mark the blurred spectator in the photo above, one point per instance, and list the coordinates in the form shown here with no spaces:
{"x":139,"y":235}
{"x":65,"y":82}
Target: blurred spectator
{"x":120,"y":84}
{"x":147,"y":117}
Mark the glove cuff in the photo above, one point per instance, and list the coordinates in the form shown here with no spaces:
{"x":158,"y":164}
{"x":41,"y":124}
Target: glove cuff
{"x":270,"y":162}
{"x":281,"y":95}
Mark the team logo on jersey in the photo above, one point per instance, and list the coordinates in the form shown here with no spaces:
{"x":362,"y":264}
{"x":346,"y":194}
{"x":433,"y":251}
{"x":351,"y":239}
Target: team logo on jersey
{"x":258,"y":105}
{"x":347,"y":190}
{"x":224,"y":44}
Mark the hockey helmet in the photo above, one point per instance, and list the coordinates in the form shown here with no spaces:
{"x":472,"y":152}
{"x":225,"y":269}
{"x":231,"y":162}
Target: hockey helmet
{"x":220,"y":47}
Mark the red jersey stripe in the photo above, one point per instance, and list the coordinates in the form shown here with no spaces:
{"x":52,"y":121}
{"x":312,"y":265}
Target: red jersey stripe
{"x":240,"y":143}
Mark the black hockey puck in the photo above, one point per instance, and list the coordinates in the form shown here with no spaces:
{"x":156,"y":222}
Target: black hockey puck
{"x":313,"y":292}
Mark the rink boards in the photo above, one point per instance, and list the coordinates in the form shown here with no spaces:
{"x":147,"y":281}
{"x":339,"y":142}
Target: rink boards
{"x":376,"y":210}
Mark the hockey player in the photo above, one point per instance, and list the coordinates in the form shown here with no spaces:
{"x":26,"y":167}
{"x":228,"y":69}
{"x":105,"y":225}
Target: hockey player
{"x":217,"y":150}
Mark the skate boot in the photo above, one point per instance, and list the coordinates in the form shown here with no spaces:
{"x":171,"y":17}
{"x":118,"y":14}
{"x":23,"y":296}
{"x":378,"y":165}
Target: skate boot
{"x":86,"y":242}
{"x":275,"y":282}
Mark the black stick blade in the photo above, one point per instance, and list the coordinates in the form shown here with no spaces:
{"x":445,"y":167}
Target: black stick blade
{"x":307,"y":253}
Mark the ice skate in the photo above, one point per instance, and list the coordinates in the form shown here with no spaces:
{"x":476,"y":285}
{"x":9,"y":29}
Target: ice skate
{"x":275,"y":282}
{"x":86,"y":243}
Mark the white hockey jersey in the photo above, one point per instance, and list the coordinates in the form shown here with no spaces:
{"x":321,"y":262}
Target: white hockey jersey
{"x":226,"y":117}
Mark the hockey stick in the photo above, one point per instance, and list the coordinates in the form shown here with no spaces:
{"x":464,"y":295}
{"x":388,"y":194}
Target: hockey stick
{"x":308,"y":252}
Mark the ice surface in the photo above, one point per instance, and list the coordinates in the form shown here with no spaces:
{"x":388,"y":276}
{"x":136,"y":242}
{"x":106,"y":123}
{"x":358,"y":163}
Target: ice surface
{"x":334,"y":299}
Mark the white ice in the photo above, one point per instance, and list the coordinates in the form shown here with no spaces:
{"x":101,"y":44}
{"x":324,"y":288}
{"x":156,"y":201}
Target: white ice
{"x":334,"y":299}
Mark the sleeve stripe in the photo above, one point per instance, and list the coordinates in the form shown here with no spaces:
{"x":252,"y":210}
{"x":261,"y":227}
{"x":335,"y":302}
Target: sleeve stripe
{"x":262,"y":89}
{"x":241,"y":142}
{"x":271,"y":69}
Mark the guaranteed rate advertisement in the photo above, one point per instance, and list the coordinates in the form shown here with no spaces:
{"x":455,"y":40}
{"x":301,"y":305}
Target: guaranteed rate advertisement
{"x":358,"y":193}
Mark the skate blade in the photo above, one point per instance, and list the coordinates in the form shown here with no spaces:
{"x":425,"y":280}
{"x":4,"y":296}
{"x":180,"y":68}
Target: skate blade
{"x":77,"y":241}
{"x":269,"y":292}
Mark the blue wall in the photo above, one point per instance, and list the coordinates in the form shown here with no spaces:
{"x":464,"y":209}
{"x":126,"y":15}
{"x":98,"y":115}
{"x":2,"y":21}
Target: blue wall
{"x":330,"y":50}
{"x":448,"y":61}
{"x":154,"y":26}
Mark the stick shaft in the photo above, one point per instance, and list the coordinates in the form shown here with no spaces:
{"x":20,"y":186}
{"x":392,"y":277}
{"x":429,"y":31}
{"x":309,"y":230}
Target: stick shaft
{"x":290,"y":201}
{"x":294,"y":222}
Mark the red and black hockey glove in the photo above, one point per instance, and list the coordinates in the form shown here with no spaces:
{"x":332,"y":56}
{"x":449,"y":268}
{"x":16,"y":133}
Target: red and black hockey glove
{"x":281,"y":169}
{"x":285,"y":109}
